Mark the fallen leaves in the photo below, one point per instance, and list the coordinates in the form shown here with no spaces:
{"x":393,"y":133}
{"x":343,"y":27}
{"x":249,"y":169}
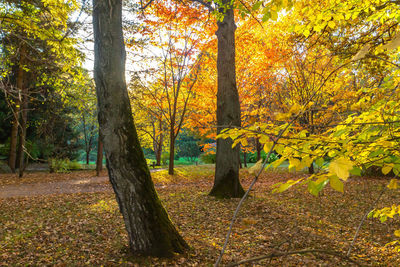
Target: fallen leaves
{"x":87,"y":229}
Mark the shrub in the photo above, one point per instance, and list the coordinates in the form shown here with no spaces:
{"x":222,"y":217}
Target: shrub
{"x":63,"y":165}
{"x":252,"y":158}
{"x":74,"y":165}
{"x":164,"y":158}
{"x":208,"y":158}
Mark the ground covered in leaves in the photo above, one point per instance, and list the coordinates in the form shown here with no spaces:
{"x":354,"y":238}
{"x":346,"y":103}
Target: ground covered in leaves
{"x":87,"y":229}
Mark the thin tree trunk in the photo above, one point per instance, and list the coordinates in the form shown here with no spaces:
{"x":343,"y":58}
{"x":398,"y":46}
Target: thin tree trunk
{"x":12,"y":158}
{"x":159,"y":146}
{"x":99,"y":160}
{"x":85,"y":134}
{"x":158,"y":152}
{"x":14,"y":130}
{"x":311,"y":169}
{"x":22,"y":136}
{"x":171,"y":151}
{"x":226,"y":181}
{"x":240,"y":161}
{"x":245,"y":159}
{"x":90,"y":144}
{"x":149,"y":228}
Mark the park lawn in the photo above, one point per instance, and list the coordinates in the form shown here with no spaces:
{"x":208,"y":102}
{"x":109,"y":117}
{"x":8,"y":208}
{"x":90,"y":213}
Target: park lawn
{"x":87,"y":229}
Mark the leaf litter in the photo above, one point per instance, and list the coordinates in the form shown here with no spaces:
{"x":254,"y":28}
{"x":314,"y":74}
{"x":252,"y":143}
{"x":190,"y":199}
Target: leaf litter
{"x":87,"y":228}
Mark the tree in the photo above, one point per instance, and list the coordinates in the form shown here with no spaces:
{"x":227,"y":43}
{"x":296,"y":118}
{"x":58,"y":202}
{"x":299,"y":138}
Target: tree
{"x":150,"y":230}
{"x":38,"y":50}
{"x":150,"y":122}
{"x":178,"y":44}
{"x":226,"y":181}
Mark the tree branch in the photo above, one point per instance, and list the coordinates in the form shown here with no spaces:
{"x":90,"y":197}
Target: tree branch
{"x":304,"y":251}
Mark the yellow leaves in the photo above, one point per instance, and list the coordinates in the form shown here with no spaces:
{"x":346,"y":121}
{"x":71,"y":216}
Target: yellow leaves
{"x":386,"y":212}
{"x":331,"y":24}
{"x":393,"y":184}
{"x":393,"y":44}
{"x":255,"y":169}
{"x":306,"y":32}
{"x":362,"y":53}
{"x":397,"y":233}
{"x":387,"y":168}
{"x":336,"y":183}
{"x":341,"y":167}
{"x":295,"y":163}
{"x":268,"y":146}
{"x":280,"y":187}
{"x":295,"y":109}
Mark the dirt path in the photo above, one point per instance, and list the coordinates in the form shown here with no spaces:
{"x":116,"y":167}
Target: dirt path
{"x":93,"y":184}
{"x":83,"y":185}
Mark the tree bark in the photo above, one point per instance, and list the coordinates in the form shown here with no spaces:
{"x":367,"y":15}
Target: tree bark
{"x":226,"y":181}
{"x":150,"y":230}
{"x":258,"y":149}
{"x":99,"y":159}
{"x":245,"y":159}
{"x":12,"y":158}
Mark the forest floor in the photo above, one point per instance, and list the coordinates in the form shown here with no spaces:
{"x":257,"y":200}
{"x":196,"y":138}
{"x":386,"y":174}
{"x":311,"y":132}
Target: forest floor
{"x":84,"y":227}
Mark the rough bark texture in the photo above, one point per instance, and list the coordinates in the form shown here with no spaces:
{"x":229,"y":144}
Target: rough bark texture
{"x":99,"y":160}
{"x":226,"y":182}
{"x":149,"y":229}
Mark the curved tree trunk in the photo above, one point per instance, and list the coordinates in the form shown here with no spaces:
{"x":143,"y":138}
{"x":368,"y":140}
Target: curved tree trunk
{"x":150,"y":231}
{"x":226,"y":181}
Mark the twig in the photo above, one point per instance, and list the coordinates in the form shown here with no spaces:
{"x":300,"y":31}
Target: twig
{"x":364,"y":216}
{"x":146,"y":5}
{"x":248,"y":191}
{"x":304,"y":251}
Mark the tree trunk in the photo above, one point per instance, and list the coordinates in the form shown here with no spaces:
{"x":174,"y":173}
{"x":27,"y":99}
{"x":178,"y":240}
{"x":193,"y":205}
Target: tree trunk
{"x":150,"y":230}
{"x":245,"y":159}
{"x":258,"y":149}
{"x":22,"y":136}
{"x":226,"y":181}
{"x":99,"y":160}
{"x":87,"y":157}
{"x":240,"y":161}
{"x":158,"y":151}
{"x":158,"y":155}
{"x":311,"y":169}
{"x":14,"y":138}
{"x":14,"y":130}
{"x":171,"y":151}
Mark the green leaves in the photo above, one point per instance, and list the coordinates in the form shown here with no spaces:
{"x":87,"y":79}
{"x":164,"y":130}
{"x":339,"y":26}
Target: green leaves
{"x":315,"y":187}
{"x":256,"y":5}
